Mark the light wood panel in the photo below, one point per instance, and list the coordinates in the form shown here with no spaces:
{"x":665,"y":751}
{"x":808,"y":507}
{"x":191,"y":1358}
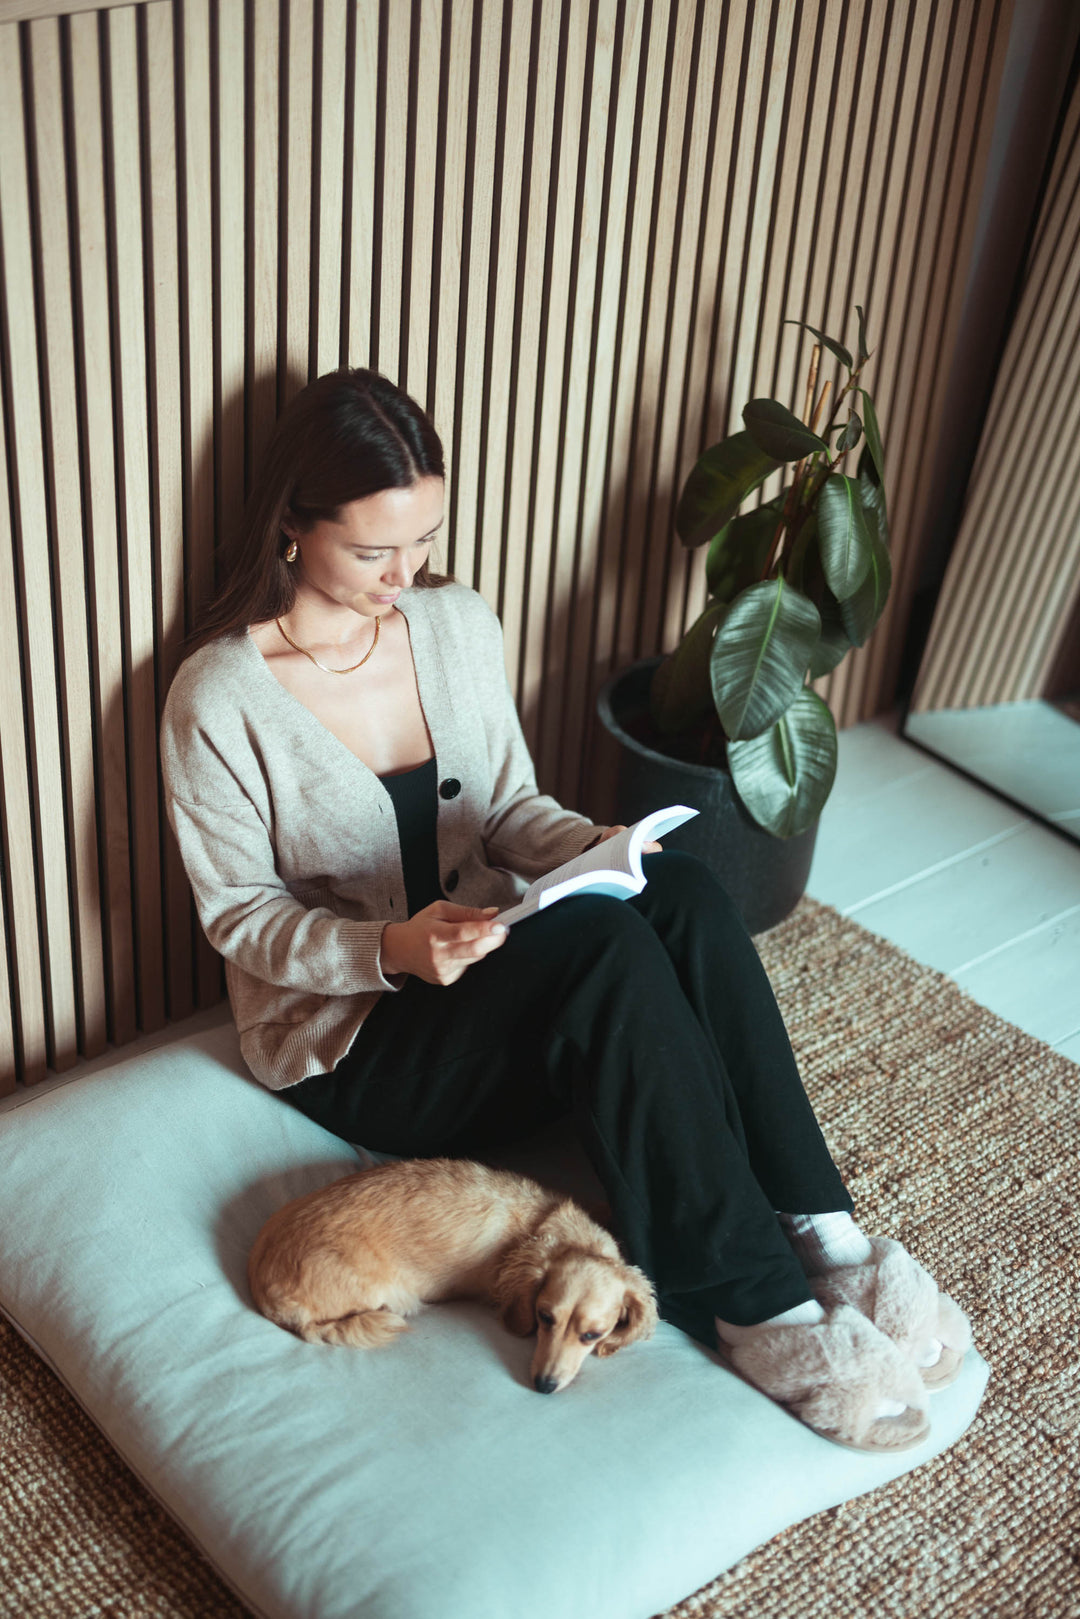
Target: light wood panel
{"x":34,"y":560}
{"x":167,"y":484}
{"x":573,"y":231}
{"x":1010,"y":592}
{"x":60,"y":418}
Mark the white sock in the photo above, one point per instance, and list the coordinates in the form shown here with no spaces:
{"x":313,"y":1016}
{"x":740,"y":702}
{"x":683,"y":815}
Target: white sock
{"x":828,"y":1241}
{"x":825,"y":1241}
{"x":809,"y":1314}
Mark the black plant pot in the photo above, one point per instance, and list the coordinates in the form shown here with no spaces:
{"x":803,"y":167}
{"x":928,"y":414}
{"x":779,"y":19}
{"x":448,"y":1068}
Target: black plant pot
{"x":765,"y":876}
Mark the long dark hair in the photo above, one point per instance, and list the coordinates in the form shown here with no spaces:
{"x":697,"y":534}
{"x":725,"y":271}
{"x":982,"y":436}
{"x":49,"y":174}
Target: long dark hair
{"x":350,"y":434}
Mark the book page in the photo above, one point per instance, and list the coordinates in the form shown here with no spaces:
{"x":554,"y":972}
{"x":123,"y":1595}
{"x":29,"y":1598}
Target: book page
{"x":651,"y":828}
{"x":621,"y":854}
{"x":614,"y":855}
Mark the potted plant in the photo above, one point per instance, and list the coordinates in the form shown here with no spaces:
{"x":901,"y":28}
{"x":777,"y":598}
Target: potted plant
{"x":794,"y":584}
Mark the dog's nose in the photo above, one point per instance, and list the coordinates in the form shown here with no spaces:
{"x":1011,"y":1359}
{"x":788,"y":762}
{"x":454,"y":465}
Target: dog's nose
{"x":545,"y":1385}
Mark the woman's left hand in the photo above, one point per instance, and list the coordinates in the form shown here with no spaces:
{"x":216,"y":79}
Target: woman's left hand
{"x":613,"y":831}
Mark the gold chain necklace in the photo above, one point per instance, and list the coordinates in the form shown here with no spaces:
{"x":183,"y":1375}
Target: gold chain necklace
{"x":324,"y":667}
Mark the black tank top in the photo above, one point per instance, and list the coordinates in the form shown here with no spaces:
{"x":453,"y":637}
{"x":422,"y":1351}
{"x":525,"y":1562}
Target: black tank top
{"x":416,"y":807}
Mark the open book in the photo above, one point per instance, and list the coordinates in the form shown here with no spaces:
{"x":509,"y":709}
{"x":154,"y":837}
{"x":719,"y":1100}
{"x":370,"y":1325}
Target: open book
{"x":613,"y":867}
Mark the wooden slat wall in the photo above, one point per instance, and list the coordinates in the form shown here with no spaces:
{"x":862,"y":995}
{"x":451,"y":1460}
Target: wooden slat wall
{"x":1012,"y":585}
{"x":572,"y":230}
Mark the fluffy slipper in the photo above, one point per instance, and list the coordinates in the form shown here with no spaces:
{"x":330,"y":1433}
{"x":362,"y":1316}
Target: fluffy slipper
{"x":835,"y":1377}
{"x":902,"y":1300}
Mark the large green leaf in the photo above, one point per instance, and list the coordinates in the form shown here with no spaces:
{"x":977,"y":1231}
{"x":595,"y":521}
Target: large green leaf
{"x":872,"y":495}
{"x":760,"y":656}
{"x":834,"y":642}
{"x":843,"y":536}
{"x":805,"y":546}
{"x":862,"y":610}
{"x":717,"y":486}
{"x":780,"y":434}
{"x":737,"y":556}
{"x":803,"y":570}
{"x":784,"y":776}
{"x":830,"y":342}
{"x":681,"y":693}
{"x":873,"y":434}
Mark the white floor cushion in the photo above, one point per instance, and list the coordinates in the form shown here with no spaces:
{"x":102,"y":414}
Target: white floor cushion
{"x":423,"y":1481}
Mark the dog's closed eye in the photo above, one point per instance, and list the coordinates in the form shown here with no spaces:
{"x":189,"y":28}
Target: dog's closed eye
{"x":546,"y":1319}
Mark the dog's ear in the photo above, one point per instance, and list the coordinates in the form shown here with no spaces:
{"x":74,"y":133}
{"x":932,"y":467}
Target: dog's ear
{"x":516,"y":1286}
{"x":639,"y":1314}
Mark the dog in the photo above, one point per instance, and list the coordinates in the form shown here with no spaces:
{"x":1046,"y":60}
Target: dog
{"x":348,"y":1263}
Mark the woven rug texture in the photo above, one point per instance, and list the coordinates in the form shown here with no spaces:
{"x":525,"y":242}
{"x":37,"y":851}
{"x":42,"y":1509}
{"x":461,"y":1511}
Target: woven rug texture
{"x":956,"y":1133}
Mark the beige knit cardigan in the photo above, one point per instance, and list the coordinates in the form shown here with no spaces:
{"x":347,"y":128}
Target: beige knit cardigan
{"x":291,"y":843}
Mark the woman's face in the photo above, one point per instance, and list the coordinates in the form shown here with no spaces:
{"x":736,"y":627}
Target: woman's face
{"x":366,"y":559}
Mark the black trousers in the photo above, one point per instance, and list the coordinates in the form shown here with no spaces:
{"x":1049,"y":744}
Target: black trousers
{"x":653,"y":1022}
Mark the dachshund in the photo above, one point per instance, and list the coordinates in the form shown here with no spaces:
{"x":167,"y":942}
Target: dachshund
{"x":348,"y":1263}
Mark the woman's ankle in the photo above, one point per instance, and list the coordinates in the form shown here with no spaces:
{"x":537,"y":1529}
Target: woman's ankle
{"x":807,"y":1314}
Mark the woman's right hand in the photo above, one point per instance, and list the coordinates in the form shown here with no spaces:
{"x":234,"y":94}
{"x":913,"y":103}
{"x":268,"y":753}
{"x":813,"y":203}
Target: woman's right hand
{"x":439,"y":942}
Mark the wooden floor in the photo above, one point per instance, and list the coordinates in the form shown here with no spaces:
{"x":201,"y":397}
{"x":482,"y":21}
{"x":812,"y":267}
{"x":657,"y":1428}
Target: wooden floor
{"x":916,"y":852}
{"x":956,"y":876}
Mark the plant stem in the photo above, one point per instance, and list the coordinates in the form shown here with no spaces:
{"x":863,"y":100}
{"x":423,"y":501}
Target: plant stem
{"x":785,"y":517}
{"x":801,"y":478}
{"x":815,"y":419}
{"x":842,"y":395}
{"x":809,"y":415}
{"x":811,"y":384}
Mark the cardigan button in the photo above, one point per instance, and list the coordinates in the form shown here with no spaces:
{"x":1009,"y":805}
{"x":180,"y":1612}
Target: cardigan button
{"x":451,"y":882}
{"x":450,"y":788}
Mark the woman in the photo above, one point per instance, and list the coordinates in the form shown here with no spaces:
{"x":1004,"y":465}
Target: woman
{"x":354,"y":801}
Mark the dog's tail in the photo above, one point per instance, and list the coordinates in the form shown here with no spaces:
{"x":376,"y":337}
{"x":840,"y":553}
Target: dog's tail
{"x":363,"y":1329}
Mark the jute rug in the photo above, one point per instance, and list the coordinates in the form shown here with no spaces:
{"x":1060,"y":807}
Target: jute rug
{"x":956,"y":1133}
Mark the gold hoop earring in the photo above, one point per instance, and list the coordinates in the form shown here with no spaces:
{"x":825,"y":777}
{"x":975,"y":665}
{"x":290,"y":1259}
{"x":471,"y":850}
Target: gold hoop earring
{"x":290,"y":555}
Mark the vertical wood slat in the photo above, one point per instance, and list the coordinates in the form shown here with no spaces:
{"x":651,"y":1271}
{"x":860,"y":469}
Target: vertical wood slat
{"x":94,"y":362}
{"x":598,"y":449}
{"x":591,"y":222}
{"x":565,"y":368}
{"x":262,"y":283}
{"x":561,"y":256}
{"x":34,"y":582}
{"x":357,"y":276}
{"x":295,"y":334}
{"x":1010,"y":590}
{"x":664,"y":563}
{"x":168,"y":461}
{"x":498,"y":411}
{"x":326,"y":327}
{"x":627,"y":450}
{"x":392,"y":184}
{"x":476,"y":265}
{"x":23,"y":1040}
{"x":536,"y":182}
{"x":424,"y":116}
{"x":479,"y":360}
{"x":570,"y":598}
{"x":60,"y":418}
{"x":22,"y":1023}
{"x":133,"y":466}
{"x":229,"y":270}
{"x":197,"y":353}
